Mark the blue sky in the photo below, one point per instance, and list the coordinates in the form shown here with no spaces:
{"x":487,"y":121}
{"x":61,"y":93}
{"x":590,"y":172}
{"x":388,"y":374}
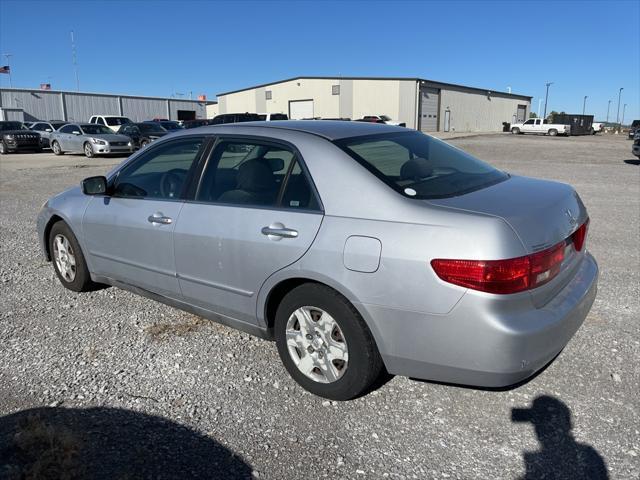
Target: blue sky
{"x":162,"y":47}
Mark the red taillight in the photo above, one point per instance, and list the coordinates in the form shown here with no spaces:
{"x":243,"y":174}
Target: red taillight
{"x":580,"y":235}
{"x":502,"y":276}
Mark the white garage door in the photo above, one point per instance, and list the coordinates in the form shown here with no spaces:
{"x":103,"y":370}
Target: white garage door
{"x":299,"y":109}
{"x":429,"y":109}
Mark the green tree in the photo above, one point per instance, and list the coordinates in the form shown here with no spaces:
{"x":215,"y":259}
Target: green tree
{"x":533,"y":115}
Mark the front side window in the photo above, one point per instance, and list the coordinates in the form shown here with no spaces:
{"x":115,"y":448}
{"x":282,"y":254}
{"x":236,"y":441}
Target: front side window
{"x":255,"y":174}
{"x":160,"y":172}
{"x":99,"y":120}
{"x":39,"y":127}
{"x":68,"y":129}
{"x":420,"y":166}
{"x":529,"y":122}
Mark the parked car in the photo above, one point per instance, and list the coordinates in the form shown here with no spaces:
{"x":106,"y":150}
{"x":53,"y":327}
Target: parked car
{"x":169,"y":125}
{"x":540,"y":126}
{"x":143,"y":133}
{"x":235,"y":118}
{"x":635,"y":127}
{"x":88,"y":138}
{"x":381,"y":119}
{"x":597,"y":127}
{"x":45,"y":129}
{"x":635,"y":149}
{"x":15,"y":136}
{"x":114,"y":122}
{"x":270,"y":117}
{"x":195,"y":123}
{"x":353,"y":246}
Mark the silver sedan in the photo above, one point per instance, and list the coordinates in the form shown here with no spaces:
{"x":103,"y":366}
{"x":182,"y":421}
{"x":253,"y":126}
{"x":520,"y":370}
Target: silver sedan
{"x":90,"y":139}
{"x":357,"y":247}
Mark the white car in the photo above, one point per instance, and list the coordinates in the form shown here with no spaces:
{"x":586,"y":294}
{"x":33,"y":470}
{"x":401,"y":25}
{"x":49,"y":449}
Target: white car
{"x":597,"y":127}
{"x":270,"y":117}
{"x":114,"y":122}
{"x":539,"y":126}
{"x":381,"y":119}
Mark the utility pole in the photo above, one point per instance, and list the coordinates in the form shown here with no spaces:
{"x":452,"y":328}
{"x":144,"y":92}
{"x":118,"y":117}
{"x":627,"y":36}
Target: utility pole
{"x":618,"y":114}
{"x":75,"y":60}
{"x":584,"y":103}
{"x":539,"y":106}
{"x":8,"y":57}
{"x":608,"y":106}
{"x":546,"y":97}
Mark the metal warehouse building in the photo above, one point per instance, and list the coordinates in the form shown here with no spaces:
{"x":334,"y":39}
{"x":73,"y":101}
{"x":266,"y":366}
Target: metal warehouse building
{"x":29,"y":105}
{"x":422,"y":104}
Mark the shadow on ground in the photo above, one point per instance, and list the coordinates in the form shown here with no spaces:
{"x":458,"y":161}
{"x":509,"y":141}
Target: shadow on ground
{"x":109,"y":443}
{"x":560,"y":456}
{"x":632,"y":162}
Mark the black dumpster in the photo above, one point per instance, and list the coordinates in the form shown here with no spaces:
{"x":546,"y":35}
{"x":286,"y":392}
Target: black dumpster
{"x":506,"y":127}
{"x":580,"y":124}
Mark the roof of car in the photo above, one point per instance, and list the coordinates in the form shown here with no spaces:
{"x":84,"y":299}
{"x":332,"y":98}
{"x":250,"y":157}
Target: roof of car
{"x":329,"y":129}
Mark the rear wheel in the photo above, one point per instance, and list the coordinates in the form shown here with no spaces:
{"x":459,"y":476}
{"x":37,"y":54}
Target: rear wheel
{"x":325,"y":344}
{"x":88,"y":150}
{"x":553,"y":132}
{"x":3,"y":148}
{"x":515,"y":130}
{"x":68,"y":260}
{"x":55,"y":146}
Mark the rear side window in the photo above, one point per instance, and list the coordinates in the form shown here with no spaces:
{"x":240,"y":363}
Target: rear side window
{"x":256,"y":174}
{"x":420,"y":166}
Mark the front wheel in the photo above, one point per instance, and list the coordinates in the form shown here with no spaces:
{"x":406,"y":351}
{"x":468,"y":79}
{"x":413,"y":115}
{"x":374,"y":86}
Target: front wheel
{"x":88,"y":150}
{"x":144,"y":143}
{"x":55,"y":146}
{"x":553,"y":132}
{"x":325,"y":344}
{"x":3,"y":148}
{"x":68,"y":260}
{"x":515,"y":130}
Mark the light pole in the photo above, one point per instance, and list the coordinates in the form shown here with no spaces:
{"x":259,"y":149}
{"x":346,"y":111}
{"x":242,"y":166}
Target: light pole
{"x":608,"y":105}
{"x":618,"y":114}
{"x":584,"y":103}
{"x":546,"y":97}
{"x":623,"y":109}
{"x":539,"y":106}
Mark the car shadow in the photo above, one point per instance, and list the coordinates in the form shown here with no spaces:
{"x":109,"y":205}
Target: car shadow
{"x":559,"y":456}
{"x":633,"y":162}
{"x":109,"y":443}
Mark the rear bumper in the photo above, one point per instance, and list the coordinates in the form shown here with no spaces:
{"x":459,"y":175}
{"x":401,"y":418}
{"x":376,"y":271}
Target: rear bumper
{"x":636,"y":150}
{"x":486,"y":340}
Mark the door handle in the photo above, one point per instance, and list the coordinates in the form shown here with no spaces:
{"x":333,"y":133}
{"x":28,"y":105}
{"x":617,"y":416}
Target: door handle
{"x":278,"y":230}
{"x":159,"y":218}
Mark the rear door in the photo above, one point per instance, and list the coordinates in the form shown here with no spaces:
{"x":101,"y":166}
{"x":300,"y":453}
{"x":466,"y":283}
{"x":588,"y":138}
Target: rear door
{"x":129,"y":235}
{"x":255,"y":212}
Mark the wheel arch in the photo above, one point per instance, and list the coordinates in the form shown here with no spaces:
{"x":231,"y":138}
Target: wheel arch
{"x":47,"y":231}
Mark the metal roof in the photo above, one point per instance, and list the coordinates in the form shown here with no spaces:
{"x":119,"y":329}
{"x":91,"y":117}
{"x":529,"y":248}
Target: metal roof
{"x":73,"y":92}
{"x":413,"y":79}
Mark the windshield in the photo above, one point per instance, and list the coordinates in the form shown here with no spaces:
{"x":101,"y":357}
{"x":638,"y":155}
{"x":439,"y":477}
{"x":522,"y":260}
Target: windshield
{"x":279,"y":116}
{"x":117,"y":120}
{"x":171,"y":125}
{"x":12,"y":126}
{"x":420,"y":166}
{"x":385,"y":118}
{"x":57,"y":125}
{"x":95,"y":129}
{"x":151,"y":128}
{"x":635,"y":123}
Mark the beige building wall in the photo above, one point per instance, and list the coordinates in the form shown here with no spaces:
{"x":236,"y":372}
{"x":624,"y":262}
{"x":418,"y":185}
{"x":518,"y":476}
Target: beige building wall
{"x":475,"y":112}
{"x":394,"y":98}
{"x":212,"y":110}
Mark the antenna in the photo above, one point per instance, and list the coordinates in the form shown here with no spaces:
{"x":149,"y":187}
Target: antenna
{"x":75,"y":61}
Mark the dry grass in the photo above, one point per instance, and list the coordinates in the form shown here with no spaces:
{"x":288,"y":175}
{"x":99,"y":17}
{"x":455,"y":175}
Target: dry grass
{"x":46,"y":452}
{"x":163,"y":331}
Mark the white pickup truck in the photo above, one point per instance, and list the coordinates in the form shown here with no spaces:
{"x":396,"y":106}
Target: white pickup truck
{"x":537,"y":125}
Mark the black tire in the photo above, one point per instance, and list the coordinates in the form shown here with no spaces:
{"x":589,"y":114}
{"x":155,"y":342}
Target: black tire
{"x":553,"y":132}
{"x":364,"y":365}
{"x":55,"y":146}
{"x":144,"y":143}
{"x":82,"y":281}
{"x":88,"y":150}
{"x":515,"y":130}
{"x":3,"y":148}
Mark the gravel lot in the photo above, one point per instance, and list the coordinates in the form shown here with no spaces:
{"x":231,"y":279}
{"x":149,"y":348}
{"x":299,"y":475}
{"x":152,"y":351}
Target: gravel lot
{"x":136,"y":389}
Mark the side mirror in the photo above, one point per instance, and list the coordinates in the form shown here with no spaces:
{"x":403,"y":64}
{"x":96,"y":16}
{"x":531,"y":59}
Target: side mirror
{"x":94,"y":185}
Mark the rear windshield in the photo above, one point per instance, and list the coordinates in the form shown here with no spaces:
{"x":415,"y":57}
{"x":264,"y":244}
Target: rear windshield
{"x":117,"y":120}
{"x":420,"y":166}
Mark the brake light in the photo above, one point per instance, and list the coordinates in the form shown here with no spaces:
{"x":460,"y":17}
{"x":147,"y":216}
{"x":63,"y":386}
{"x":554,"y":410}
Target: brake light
{"x":502,"y":276}
{"x":580,"y":235}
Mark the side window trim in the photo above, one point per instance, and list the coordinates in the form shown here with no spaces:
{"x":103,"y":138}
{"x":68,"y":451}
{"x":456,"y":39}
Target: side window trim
{"x":113,"y":179}
{"x":297,"y":158}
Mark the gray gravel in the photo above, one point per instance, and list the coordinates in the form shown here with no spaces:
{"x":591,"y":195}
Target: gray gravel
{"x":90,"y":355}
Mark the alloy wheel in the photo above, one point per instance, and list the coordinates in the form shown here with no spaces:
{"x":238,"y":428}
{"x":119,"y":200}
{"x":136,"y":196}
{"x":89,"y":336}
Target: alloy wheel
{"x":317,"y":345}
{"x":64,"y":257}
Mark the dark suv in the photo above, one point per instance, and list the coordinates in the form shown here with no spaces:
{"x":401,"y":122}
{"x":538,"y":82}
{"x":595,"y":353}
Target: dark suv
{"x":143,"y":133}
{"x":235,"y":118}
{"x":14,"y":136}
{"x":635,"y":127}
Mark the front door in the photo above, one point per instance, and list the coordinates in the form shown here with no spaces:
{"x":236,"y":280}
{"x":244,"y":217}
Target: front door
{"x":129,"y":234}
{"x":529,"y":126}
{"x":255,"y":213}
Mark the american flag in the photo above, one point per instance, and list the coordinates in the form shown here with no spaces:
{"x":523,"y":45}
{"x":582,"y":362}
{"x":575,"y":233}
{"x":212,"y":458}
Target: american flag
{"x":5,"y":69}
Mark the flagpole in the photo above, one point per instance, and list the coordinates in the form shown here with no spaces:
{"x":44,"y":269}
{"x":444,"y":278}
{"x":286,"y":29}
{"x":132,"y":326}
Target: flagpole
{"x":8,"y":56}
